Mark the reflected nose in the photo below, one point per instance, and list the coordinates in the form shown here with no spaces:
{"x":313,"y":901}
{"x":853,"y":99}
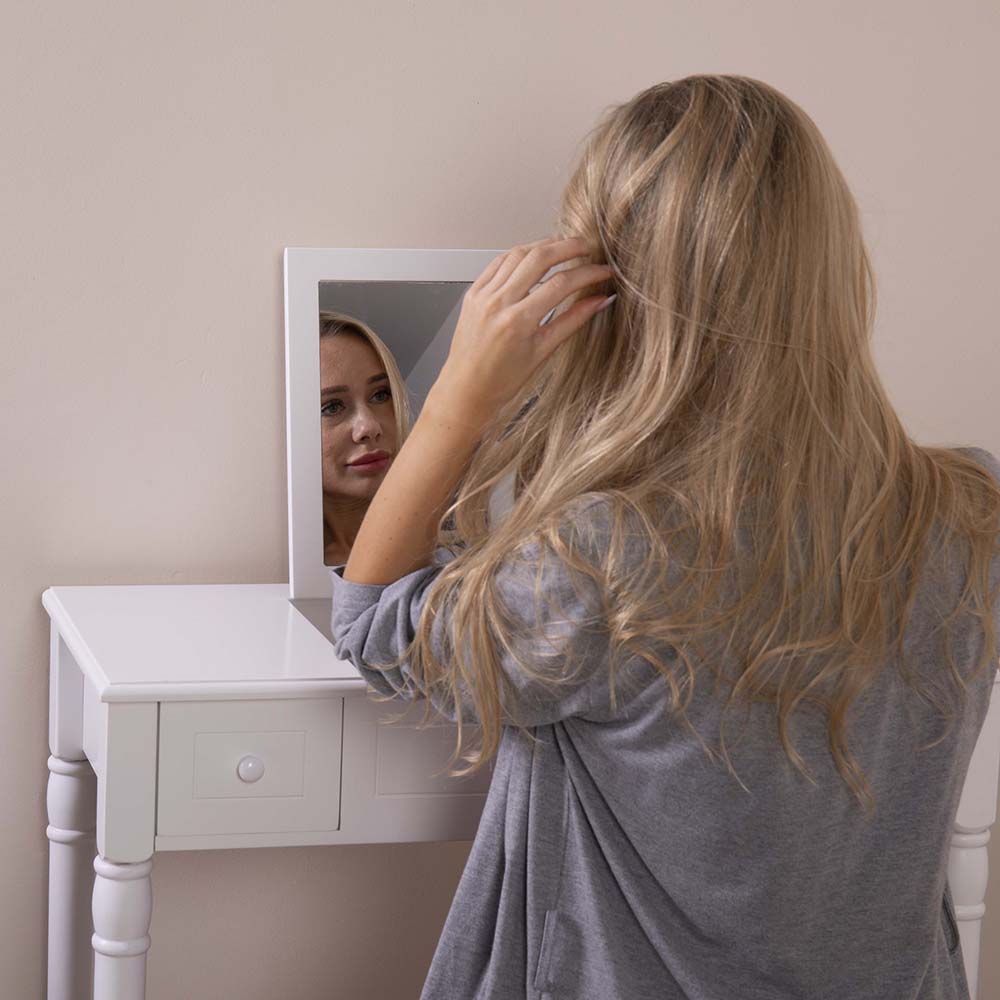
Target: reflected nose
{"x":368,"y":422}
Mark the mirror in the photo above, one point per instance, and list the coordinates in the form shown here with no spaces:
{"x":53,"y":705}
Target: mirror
{"x":351,"y":314}
{"x":381,"y":346}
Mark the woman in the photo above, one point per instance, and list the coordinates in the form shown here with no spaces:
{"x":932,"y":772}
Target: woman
{"x":716,"y":507}
{"x":364,"y":414}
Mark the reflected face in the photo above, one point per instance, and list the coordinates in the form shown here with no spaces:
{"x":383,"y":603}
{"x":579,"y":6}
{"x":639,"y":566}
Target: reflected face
{"x":357,"y":415}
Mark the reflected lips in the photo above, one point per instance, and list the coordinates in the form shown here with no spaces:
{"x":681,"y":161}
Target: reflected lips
{"x":377,"y":460}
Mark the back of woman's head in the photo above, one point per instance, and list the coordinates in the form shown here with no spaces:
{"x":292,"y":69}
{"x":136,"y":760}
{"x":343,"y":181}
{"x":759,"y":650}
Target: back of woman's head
{"x":728,"y":411}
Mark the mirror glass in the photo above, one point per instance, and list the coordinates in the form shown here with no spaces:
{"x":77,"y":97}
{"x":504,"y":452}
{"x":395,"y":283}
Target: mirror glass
{"x":381,"y":347}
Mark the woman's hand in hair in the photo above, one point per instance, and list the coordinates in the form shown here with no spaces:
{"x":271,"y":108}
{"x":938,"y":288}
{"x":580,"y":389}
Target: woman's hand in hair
{"x":498,"y":342}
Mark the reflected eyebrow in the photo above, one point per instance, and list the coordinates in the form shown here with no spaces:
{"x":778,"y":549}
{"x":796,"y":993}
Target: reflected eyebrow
{"x":343,"y":388}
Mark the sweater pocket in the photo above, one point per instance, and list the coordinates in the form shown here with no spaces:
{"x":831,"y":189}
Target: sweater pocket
{"x":949,"y":920}
{"x":550,"y":940}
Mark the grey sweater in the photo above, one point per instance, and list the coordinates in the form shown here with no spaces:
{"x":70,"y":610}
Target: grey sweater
{"x":614,"y":860}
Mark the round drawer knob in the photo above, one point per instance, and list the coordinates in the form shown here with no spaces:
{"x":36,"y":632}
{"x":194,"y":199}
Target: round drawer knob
{"x":250,"y":768}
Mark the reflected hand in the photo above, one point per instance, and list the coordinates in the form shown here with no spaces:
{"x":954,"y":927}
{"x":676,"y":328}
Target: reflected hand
{"x":498,"y":342}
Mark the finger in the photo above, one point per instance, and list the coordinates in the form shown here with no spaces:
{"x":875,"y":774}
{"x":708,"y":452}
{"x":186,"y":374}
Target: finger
{"x":549,"y":294}
{"x":491,"y":269}
{"x":573,"y":320}
{"x":531,"y":269}
{"x":513,"y":259}
{"x":494,"y":265}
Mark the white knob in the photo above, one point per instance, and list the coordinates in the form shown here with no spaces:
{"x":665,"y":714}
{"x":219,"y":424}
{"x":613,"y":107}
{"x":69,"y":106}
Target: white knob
{"x":250,"y":768}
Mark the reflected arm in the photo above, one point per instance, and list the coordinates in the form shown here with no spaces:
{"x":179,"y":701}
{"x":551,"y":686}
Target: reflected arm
{"x":399,"y":532}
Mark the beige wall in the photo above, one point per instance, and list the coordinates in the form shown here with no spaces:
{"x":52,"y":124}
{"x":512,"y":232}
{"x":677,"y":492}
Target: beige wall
{"x":156,"y":158}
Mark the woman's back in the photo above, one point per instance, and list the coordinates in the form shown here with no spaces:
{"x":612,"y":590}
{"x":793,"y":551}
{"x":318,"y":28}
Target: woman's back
{"x":785,"y":889}
{"x":615,"y":859}
{"x":657,"y":875}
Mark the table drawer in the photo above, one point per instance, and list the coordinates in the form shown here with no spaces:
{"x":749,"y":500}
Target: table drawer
{"x":232,"y":767}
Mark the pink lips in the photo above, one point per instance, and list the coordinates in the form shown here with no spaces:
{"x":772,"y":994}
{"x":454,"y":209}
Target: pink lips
{"x":378,"y":465}
{"x":373,"y":458}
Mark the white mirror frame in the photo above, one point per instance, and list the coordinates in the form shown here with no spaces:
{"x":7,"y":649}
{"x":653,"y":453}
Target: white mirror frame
{"x":305,"y":268}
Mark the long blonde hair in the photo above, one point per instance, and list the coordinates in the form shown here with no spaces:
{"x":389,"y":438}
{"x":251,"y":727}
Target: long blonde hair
{"x":728,"y":404}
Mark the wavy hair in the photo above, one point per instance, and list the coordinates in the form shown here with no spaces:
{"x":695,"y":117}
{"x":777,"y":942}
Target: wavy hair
{"x":727,"y":408}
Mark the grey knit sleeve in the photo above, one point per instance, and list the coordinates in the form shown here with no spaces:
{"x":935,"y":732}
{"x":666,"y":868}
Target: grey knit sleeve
{"x":372,"y":624}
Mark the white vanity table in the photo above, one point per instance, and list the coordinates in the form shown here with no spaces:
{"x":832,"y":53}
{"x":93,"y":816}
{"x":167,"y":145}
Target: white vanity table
{"x":186,"y":717}
{"x":191,"y":717}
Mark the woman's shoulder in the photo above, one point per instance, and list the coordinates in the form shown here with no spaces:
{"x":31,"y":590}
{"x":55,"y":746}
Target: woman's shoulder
{"x":984,"y":458}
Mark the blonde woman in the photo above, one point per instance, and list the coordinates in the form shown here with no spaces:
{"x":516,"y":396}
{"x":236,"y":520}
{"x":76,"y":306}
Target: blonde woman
{"x":716,"y":511}
{"x":364,"y":419}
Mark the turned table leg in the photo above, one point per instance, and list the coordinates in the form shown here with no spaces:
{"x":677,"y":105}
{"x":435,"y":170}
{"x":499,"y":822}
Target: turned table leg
{"x":968,"y":874}
{"x":123,"y":907}
{"x":71,"y":804}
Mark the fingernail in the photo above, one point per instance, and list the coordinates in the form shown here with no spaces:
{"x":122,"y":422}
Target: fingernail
{"x":604,"y":305}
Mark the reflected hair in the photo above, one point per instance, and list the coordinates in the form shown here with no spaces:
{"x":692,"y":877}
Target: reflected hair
{"x":770,"y":517}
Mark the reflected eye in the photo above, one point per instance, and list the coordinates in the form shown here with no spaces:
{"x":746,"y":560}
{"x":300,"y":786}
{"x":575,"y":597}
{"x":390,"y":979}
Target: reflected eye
{"x":327,"y":412}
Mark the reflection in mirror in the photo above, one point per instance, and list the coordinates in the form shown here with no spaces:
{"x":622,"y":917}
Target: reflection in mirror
{"x":378,"y":343}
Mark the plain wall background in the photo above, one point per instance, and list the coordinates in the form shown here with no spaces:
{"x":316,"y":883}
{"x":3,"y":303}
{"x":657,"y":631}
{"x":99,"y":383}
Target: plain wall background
{"x":155,"y":161}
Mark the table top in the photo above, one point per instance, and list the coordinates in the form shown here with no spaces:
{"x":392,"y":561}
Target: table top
{"x":182,"y":642}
